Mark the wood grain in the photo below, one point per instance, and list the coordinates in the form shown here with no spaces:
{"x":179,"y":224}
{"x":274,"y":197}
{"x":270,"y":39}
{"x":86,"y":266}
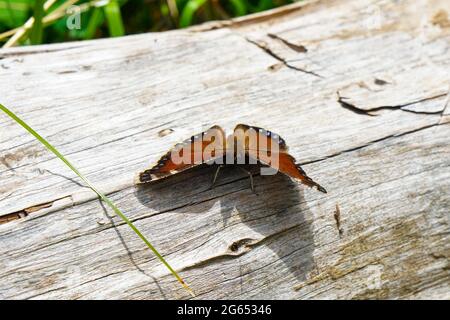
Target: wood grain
{"x":359,"y":91}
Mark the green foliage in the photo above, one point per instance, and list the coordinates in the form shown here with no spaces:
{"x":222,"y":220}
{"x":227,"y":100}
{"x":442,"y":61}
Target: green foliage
{"x":96,"y":19}
{"x":13,"y":13}
{"x":110,"y":18}
{"x":187,"y":15}
{"x":239,"y":7}
{"x":114,"y":18}
{"x":37,"y":30}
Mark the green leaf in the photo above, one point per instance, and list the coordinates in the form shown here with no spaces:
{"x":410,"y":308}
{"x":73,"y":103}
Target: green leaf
{"x":100,"y":194}
{"x":13,"y":13}
{"x":114,"y":18}
{"x":187,"y":15}
{"x":95,"y":21}
{"x":239,"y":7}
{"x":36,"y":32}
{"x":264,"y":5}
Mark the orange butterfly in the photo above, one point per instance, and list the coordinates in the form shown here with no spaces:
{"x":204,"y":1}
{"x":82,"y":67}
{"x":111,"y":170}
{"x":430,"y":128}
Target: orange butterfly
{"x":247,"y":144}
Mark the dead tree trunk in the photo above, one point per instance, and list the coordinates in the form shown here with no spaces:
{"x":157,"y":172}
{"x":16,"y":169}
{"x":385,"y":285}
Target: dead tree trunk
{"x":358,"y":89}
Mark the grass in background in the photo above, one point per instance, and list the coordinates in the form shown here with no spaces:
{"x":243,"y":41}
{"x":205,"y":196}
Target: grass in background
{"x":110,"y":18}
{"x":36,"y":31}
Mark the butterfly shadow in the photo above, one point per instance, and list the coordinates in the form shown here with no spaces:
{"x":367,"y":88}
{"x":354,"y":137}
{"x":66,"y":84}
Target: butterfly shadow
{"x":276,"y":217}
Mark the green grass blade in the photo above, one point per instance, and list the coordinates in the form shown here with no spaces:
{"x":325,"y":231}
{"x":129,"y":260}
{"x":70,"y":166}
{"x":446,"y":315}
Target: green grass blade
{"x":114,"y":18}
{"x":188,"y":12}
{"x":36,"y":32}
{"x":95,"y":21}
{"x":100,"y":194}
{"x":11,"y":15}
{"x":264,"y":5}
{"x":239,"y":7}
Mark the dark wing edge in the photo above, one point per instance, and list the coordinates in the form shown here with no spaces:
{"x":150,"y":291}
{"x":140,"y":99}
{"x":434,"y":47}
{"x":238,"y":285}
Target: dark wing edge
{"x":308,"y":180}
{"x":154,"y":172}
{"x":165,"y":166}
{"x":288,"y":166}
{"x":265,"y":133}
{"x":287,"y":163}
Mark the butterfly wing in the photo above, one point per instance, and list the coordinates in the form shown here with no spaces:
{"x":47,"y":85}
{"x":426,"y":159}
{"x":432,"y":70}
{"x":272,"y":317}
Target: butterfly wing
{"x":288,"y":166}
{"x":201,"y":148}
{"x":270,"y":146}
{"x":266,"y":140}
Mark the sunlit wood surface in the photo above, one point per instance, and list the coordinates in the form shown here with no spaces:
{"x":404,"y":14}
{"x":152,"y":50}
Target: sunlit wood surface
{"x":359,"y":91}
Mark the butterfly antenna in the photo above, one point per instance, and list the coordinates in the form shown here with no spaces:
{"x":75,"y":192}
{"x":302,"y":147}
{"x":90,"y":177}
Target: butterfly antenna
{"x":250,"y":175}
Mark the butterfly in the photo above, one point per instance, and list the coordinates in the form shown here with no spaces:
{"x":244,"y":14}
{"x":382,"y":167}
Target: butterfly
{"x":247,"y":144}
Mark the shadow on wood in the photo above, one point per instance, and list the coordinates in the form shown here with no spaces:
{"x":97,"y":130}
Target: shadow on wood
{"x":264,"y":212}
{"x":128,"y":250}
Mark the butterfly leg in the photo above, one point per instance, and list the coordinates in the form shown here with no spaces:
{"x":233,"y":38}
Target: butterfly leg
{"x":251,"y":178}
{"x":216,"y":174}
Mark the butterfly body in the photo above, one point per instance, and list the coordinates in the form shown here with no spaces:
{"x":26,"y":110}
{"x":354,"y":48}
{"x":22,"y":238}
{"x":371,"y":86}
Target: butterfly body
{"x":246,"y":145}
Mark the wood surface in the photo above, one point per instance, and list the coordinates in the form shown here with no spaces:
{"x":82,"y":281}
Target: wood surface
{"x":358,"y":89}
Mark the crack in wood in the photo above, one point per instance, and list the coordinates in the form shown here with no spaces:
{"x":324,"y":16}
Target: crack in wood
{"x":373,"y":142}
{"x":368,"y":112}
{"x":337,"y":217}
{"x":9,"y":217}
{"x":265,"y":265}
{"x":247,"y":245}
{"x":31,"y":51}
{"x":296,"y":47}
{"x":263,"y":46}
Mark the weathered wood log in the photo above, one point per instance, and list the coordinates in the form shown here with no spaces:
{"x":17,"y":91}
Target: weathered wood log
{"x":358,"y":89}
